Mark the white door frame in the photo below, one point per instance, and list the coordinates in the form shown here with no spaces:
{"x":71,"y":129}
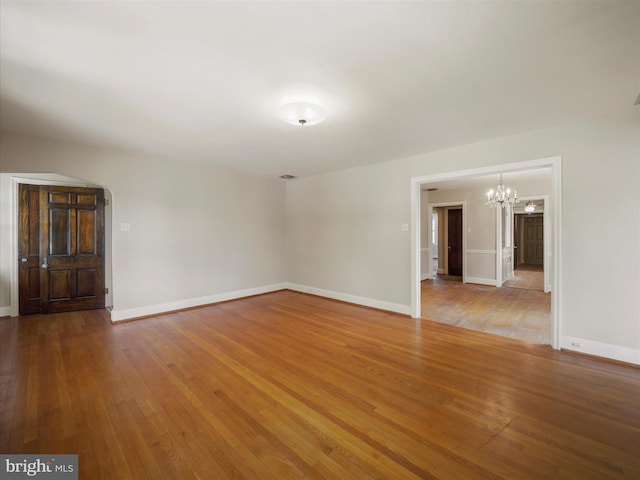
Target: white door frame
{"x":555,"y":211}
{"x":13,"y":233}
{"x":499,"y":247}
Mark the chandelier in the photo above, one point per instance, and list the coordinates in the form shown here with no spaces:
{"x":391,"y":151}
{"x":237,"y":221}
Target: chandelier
{"x":501,"y":197}
{"x":529,"y":207}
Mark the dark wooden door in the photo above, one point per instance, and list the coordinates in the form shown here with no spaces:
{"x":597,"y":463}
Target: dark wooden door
{"x":29,"y":249}
{"x":61,"y":248}
{"x":71,"y":248}
{"x":533,"y":240}
{"x":454,"y":235}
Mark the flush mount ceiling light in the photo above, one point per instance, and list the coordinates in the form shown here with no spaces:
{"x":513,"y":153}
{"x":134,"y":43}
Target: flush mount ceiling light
{"x":302,"y":113}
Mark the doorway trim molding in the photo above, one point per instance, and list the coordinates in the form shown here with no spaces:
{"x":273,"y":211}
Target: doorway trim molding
{"x":555,"y":207}
{"x":13,"y":231}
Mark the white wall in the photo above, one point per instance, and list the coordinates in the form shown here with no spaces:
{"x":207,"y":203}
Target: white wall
{"x":344,"y":236}
{"x":344,"y":227}
{"x":198,"y":233}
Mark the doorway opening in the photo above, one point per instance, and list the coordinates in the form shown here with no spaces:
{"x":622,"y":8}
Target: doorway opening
{"x":61,"y":248}
{"x":11,"y":196}
{"x":530,"y":245}
{"x":487,"y":256}
{"x":445,"y":242}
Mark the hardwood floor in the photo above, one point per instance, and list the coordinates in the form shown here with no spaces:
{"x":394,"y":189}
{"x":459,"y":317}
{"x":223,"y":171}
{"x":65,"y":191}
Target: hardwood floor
{"x":519,"y":313}
{"x":288,"y":385}
{"x":526,"y":276}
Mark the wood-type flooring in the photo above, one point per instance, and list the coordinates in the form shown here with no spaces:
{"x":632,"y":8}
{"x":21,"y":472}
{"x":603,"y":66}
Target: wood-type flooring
{"x":520,"y":313}
{"x":291,"y":386}
{"x":527,"y":276}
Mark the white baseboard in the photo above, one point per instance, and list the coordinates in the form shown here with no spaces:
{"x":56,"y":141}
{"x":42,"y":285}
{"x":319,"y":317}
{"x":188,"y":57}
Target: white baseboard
{"x":345,"y":297}
{"x":606,"y":350}
{"x":425,"y":276}
{"x":5,"y":311}
{"x":129,"y":313}
{"x":481,"y":281}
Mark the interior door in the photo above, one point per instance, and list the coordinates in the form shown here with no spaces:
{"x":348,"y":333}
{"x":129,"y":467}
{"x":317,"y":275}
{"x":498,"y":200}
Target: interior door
{"x":71,"y":248}
{"x":454,"y":236}
{"x":29,"y":249}
{"x":533,"y":240}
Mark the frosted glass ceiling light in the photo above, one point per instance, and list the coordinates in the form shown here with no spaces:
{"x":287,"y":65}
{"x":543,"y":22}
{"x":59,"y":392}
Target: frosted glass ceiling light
{"x":302,"y":113}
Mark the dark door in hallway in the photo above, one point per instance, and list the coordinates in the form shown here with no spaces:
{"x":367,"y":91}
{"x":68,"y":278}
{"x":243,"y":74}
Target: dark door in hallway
{"x":61,"y":249}
{"x":533,"y":240}
{"x":454,"y":240}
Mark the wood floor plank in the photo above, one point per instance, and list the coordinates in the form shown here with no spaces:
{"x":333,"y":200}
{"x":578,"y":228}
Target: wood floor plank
{"x":288,"y":385}
{"x":510,"y":311}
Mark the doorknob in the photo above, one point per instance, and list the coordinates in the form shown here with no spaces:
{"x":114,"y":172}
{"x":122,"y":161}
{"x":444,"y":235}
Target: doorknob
{"x":45,"y":265}
{"x":24,"y":260}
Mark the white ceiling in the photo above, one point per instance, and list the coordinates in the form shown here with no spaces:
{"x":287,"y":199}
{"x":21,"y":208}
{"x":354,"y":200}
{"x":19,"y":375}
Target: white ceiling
{"x":201,"y":81}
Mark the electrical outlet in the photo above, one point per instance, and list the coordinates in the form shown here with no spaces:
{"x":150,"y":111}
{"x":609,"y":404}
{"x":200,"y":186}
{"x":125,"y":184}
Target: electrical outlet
{"x":125,"y":227}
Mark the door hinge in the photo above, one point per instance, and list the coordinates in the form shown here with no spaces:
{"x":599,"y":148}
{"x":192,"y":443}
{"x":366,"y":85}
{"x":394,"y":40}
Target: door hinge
{"x":106,"y":202}
{"x":106,"y":290}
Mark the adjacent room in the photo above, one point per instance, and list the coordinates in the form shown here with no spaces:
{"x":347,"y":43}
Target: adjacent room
{"x":508,"y":237}
{"x":271,"y":240}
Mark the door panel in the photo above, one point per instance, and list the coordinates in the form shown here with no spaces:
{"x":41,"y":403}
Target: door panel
{"x":59,"y":232}
{"x":71,"y":248}
{"x":28,"y":249}
{"x":454,"y":236}
{"x":86,"y":281}
{"x":87,"y":233}
{"x":59,"y":284}
{"x":534,"y":240}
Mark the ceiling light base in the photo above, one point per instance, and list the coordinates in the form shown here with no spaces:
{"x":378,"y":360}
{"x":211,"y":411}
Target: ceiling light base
{"x":302,"y":113}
